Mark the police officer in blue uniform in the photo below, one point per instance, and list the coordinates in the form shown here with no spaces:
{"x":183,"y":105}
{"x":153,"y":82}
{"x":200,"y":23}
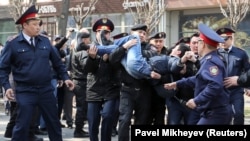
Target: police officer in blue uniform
{"x":237,"y":61}
{"x":27,"y":56}
{"x":211,"y":98}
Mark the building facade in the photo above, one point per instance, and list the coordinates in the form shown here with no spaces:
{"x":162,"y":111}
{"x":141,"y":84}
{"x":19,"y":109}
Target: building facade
{"x":180,"y":18}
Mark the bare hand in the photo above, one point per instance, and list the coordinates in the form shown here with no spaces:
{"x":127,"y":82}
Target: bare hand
{"x":130,"y":43}
{"x":247,"y":92}
{"x":10,"y":95}
{"x":105,"y":57}
{"x":93,"y":52}
{"x":170,"y":86}
{"x":155,"y":75}
{"x":69,"y":84}
{"x":191,"y":104}
{"x":184,"y":70}
{"x":231,"y":81}
{"x":192,"y":57}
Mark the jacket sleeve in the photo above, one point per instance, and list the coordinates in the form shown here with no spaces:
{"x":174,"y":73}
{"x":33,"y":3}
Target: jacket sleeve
{"x":116,"y":55}
{"x":61,"y":43}
{"x":244,"y":79}
{"x":92,"y":64}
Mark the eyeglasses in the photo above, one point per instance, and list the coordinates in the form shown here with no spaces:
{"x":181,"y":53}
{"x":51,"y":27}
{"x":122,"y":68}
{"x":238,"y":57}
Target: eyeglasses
{"x":226,"y":38}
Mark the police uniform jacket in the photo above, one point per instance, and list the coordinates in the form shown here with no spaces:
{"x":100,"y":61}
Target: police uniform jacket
{"x":208,"y":83}
{"x":238,"y":62}
{"x":30,"y":65}
{"x":187,"y":92}
{"x":102,"y":80}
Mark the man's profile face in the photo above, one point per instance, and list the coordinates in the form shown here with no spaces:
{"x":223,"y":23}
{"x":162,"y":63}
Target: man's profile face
{"x":194,"y":44}
{"x":31,"y":27}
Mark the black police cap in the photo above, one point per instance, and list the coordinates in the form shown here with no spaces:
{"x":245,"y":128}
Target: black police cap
{"x":120,"y":35}
{"x":224,"y":30}
{"x":103,"y":24}
{"x":157,"y":35}
{"x":185,"y":40}
{"x":29,"y":14}
{"x":139,"y":27}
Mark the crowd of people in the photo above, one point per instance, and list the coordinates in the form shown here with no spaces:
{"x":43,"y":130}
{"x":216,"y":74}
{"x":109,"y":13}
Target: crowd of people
{"x":200,"y":80}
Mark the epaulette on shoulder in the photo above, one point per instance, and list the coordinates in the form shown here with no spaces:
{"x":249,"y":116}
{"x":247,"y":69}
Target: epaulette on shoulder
{"x":43,"y":35}
{"x":12,"y":38}
{"x":209,"y":57}
{"x":240,"y":48}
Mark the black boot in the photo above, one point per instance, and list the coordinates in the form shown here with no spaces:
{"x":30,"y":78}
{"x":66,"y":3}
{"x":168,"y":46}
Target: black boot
{"x":79,"y":133}
{"x":8,"y":133}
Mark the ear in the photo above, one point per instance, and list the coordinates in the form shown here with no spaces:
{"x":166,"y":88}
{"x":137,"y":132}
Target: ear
{"x":178,"y":52}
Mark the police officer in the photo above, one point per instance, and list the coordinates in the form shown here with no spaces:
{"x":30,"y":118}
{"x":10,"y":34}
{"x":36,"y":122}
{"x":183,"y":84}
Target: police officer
{"x":135,"y":94}
{"x":237,"y":61}
{"x":102,"y":84}
{"x":157,"y":115}
{"x":211,"y":98}
{"x":27,"y":56}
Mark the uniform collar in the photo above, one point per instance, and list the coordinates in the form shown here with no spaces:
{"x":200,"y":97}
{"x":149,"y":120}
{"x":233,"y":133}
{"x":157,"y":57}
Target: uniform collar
{"x":24,"y":37}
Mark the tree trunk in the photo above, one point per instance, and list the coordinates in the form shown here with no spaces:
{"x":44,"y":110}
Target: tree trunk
{"x":63,"y":19}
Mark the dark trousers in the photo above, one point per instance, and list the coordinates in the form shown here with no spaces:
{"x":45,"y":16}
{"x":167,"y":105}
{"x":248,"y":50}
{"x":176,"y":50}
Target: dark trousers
{"x":158,"y":109}
{"x":133,"y":100}
{"x":60,"y":100}
{"x":12,"y":122}
{"x":237,"y":101}
{"x":177,"y":113}
{"x":81,"y":104}
{"x":96,"y":111}
{"x":30,"y":97}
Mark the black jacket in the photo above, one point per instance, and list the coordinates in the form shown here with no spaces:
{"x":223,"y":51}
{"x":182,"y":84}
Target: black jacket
{"x":102,"y":80}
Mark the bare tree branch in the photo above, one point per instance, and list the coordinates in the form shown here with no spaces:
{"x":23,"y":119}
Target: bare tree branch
{"x":148,"y":12}
{"x":17,"y":7}
{"x":235,"y":11}
{"x":79,"y":12}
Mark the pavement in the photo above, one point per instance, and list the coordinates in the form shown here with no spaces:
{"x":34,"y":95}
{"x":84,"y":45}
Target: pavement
{"x":67,"y":133}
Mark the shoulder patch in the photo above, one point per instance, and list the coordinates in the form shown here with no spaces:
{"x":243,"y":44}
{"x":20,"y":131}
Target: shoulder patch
{"x":214,"y":70}
{"x":209,"y":57}
{"x":12,"y":37}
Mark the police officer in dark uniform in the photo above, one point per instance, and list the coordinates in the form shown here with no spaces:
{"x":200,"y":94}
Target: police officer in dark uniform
{"x":102,"y":84}
{"x":211,"y":98}
{"x":135,"y":94}
{"x":158,"y":108}
{"x":237,"y":61}
{"x":27,"y":56}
